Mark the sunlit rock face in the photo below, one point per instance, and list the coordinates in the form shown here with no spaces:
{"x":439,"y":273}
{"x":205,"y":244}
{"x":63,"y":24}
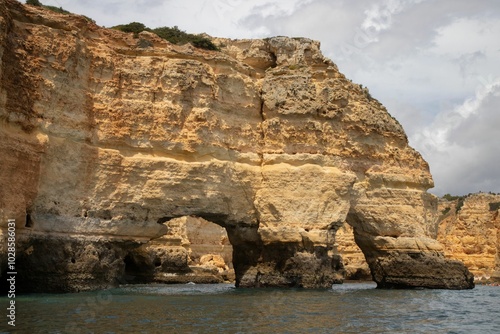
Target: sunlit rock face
{"x":468,"y":230}
{"x":106,"y":137}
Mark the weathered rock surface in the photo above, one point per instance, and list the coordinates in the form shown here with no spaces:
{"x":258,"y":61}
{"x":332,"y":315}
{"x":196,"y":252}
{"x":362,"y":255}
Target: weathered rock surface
{"x":104,"y":140}
{"x":469,"y":232}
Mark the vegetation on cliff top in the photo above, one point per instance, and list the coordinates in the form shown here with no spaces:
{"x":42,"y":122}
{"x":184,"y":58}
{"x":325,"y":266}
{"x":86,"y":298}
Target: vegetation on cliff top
{"x":55,"y":9}
{"x":37,"y":3}
{"x":173,"y":35}
{"x":461,"y":199}
{"x":460,"y":202}
{"x":494,"y":206}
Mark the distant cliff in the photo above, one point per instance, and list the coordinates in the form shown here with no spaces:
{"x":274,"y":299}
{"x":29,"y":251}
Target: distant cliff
{"x":107,"y":137}
{"x":469,"y":230}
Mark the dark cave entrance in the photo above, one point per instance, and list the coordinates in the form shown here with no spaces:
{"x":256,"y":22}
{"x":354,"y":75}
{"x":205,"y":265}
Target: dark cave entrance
{"x":136,"y":269}
{"x":28,"y":220}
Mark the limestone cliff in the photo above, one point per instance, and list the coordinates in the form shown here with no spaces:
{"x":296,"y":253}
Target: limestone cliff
{"x":106,"y":137}
{"x":469,"y":232}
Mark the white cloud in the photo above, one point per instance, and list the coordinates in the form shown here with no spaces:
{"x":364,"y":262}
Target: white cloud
{"x":462,"y":144}
{"x":379,"y":16}
{"x":468,"y":35}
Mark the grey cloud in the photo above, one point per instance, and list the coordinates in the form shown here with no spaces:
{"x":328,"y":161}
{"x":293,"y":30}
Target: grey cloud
{"x":482,"y":128}
{"x":319,"y":18}
{"x":469,"y":158}
{"x":466,"y":62}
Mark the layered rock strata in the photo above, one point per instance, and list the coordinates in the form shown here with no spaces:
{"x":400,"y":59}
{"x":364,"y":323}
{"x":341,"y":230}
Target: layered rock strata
{"x":107,"y":136}
{"x":469,"y":232}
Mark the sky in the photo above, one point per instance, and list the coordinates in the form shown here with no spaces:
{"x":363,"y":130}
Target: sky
{"x":434,"y":64}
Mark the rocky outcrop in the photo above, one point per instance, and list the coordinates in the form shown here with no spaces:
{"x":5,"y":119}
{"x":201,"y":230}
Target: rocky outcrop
{"x":106,"y":137}
{"x":468,"y":230}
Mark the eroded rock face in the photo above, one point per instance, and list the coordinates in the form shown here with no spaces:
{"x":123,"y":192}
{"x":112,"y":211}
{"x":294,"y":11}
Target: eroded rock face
{"x":104,"y":140}
{"x":469,"y":232}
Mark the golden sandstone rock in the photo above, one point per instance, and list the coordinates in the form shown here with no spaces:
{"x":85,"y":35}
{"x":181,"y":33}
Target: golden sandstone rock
{"x":469,"y":232}
{"x":107,"y":136}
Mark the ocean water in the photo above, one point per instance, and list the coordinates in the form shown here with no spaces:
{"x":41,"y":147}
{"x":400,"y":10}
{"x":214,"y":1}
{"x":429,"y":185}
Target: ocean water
{"x":347,"y":308}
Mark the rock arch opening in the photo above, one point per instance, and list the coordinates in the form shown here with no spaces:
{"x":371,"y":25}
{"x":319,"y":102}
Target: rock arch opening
{"x":355,"y":265}
{"x":193,"y":250}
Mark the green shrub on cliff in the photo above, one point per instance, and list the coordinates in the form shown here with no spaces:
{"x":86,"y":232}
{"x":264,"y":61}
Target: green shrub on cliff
{"x":135,"y":27}
{"x":34,"y":3}
{"x":494,"y":206}
{"x":176,"y":36}
{"x":460,"y":200}
{"x":60,"y":10}
{"x":449,"y":197}
{"x":203,"y":43}
{"x":57,"y":9}
{"x":445,"y":211}
{"x":172,"y":34}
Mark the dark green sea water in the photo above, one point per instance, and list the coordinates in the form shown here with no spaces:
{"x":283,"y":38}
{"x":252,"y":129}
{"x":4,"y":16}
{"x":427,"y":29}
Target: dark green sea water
{"x":347,"y":308}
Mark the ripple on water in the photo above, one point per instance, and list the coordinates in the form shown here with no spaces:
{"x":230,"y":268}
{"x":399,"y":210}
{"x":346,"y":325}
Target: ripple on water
{"x":348,"y":308}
